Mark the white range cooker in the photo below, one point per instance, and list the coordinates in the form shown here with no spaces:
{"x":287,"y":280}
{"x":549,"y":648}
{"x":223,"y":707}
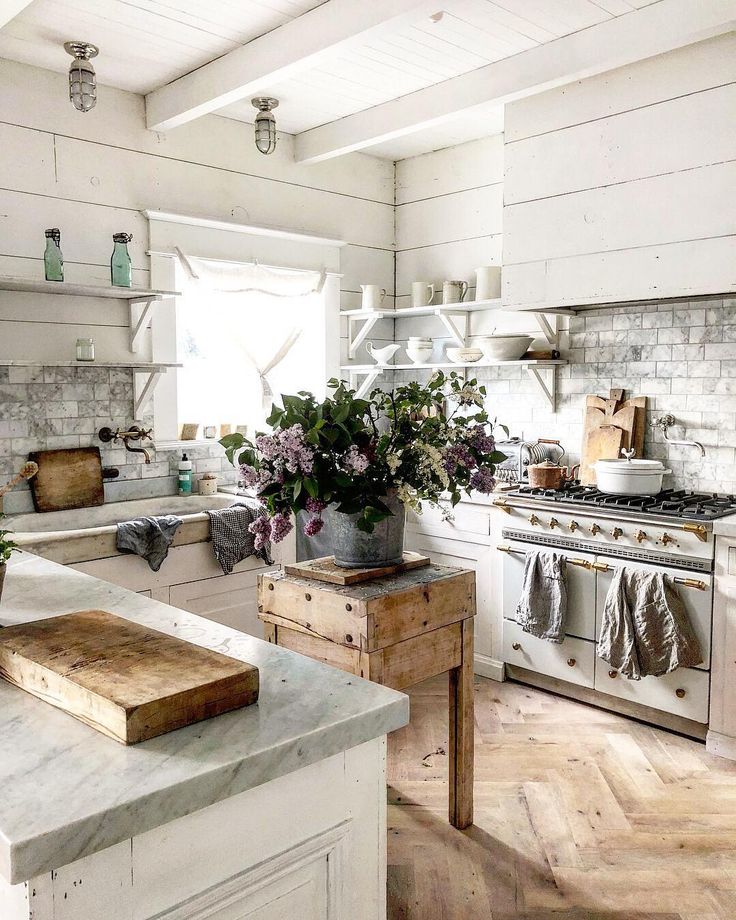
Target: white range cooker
{"x":597,"y":532}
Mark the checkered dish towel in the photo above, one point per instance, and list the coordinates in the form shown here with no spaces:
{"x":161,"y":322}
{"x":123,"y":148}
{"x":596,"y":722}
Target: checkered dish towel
{"x":231,"y":540}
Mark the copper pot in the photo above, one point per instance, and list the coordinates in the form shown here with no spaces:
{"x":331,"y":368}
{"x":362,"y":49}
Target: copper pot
{"x":549,"y":475}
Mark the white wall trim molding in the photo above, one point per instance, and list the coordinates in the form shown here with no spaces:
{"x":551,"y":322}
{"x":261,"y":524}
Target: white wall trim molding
{"x":234,"y":227}
{"x":653,"y":30}
{"x":330,"y":845}
{"x":489,"y":667}
{"x":9,"y":9}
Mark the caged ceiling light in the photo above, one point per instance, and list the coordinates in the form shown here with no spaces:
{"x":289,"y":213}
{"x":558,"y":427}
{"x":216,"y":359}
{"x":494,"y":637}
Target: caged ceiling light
{"x":265,"y":123}
{"x":82,"y":77}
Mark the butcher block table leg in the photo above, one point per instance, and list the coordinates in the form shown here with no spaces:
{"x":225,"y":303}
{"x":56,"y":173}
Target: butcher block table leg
{"x":396,"y":630}
{"x":462,"y":726}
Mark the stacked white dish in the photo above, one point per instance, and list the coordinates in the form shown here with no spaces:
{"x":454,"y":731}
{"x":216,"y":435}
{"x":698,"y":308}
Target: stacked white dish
{"x":419,"y":349}
{"x":464,"y":355}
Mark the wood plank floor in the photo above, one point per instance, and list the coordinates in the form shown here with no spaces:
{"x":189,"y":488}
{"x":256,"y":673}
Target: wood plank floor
{"x":579,"y":815}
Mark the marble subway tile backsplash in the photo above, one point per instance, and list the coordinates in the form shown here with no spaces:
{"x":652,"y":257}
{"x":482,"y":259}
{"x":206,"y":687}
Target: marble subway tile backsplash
{"x":47,"y":408}
{"x":682,"y":356}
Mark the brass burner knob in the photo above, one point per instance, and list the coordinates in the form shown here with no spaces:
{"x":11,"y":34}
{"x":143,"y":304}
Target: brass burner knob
{"x":640,"y":536}
{"x":533,"y":520}
{"x":595,"y":529}
{"x":667,"y":539}
{"x":616,"y":533}
{"x":516,"y":646}
{"x":553,"y":522}
{"x":573,"y":525}
{"x":571,"y":662}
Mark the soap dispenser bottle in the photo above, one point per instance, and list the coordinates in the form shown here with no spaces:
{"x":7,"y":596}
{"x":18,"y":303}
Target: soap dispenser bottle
{"x":185,"y":475}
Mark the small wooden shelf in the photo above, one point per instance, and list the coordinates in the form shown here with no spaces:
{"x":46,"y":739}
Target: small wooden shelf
{"x":140,"y":300}
{"x":535,"y":368}
{"x":26,"y":286}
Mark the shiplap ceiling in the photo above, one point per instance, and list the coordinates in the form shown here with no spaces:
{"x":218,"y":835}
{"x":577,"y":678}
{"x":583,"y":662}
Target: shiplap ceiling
{"x":146,"y":44}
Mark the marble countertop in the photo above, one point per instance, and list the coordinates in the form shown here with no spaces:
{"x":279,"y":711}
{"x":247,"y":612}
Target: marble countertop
{"x":68,"y":791}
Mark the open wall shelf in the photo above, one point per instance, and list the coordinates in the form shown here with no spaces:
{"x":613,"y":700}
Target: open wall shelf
{"x":538,"y":370}
{"x":140,"y":300}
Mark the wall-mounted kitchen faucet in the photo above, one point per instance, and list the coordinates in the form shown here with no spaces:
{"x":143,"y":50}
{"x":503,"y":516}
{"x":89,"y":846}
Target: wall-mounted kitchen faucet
{"x":134,"y":433}
{"x":666,"y":422}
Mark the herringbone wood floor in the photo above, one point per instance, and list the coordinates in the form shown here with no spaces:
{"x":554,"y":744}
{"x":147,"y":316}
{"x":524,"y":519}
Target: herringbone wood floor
{"x":579,"y":815}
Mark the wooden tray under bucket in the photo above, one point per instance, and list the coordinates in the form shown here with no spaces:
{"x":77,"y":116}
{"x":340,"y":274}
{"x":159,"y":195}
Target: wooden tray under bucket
{"x":126,"y":680}
{"x":324,"y":569}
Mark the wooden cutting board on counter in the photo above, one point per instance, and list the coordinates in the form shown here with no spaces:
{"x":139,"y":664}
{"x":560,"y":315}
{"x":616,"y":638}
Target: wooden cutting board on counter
{"x":67,"y":479}
{"x":604,"y":418}
{"x":126,"y":680}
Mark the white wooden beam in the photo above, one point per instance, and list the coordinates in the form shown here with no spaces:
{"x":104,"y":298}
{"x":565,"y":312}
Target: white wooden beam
{"x":298,"y":45}
{"x":663,"y":26}
{"x":10,"y":8}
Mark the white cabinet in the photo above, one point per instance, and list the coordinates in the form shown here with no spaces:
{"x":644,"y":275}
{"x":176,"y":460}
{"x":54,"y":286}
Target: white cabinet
{"x":684,"y":692}
{"x":722,"y":729}
{"x":230,"y":600}
{"x":572,"y":659}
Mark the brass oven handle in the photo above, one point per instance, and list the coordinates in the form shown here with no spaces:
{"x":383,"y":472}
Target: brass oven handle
{"x":582,"y":563}
{"x":700,"y":532}
{"x":685,"y":582}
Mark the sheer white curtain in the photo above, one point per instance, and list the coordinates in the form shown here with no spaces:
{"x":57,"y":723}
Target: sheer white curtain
{"x":246,"y":333}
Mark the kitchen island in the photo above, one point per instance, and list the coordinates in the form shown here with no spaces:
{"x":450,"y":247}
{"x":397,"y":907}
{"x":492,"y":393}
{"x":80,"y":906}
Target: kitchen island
{"x":272,"y":811}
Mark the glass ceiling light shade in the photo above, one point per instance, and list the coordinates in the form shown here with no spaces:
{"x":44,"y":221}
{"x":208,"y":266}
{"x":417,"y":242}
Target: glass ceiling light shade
{"x":265,"y":123}
{"x":82,"y":77}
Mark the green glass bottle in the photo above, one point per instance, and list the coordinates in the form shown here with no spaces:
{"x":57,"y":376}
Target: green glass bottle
{"x":121,"y":272}
{"x":53,"y":260}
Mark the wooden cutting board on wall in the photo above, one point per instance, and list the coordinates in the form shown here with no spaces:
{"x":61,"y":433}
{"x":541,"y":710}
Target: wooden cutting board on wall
{"x":605,"y":417}
{"x":126,"y":680}
{"x":67,"y":479}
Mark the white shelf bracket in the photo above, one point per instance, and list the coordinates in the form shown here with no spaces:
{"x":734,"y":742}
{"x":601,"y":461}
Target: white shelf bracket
{"x":552,"y":334}
{"x":140,"y":319}
{"x":549,"y":387}
{"x":144,"y":384}
{"x":370,"y":378}
{"x":448,"y":320}
{"x":355,"y":343}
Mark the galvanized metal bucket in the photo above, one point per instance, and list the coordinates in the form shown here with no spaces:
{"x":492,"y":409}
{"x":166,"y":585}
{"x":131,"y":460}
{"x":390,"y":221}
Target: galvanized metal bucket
{"x":354,"y":549}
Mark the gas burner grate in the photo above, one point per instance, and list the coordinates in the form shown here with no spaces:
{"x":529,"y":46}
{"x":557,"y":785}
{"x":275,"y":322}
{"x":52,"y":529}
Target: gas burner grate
{"x":678,"y":503}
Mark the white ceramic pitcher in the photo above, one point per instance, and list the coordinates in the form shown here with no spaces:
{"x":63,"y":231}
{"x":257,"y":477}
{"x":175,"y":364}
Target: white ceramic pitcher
{"x":382,"y":355}
{"x":373,"y":296}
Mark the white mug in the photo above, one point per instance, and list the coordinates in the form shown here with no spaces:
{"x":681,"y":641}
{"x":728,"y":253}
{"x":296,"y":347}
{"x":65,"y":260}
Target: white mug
{"x":454,"y":291}
{"x":373,"y":296}
{"x":422,"y":293}
{"x":488,"y":282}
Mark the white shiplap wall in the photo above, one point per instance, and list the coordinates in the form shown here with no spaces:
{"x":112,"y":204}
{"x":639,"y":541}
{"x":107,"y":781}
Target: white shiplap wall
{"x":621,"y":186}
{"x":91,"y":175}
{"x":681,"y":355}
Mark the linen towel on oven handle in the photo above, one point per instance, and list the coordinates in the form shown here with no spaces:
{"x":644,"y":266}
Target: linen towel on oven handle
{"x":542,"y":607}
{"x":645,"y":629}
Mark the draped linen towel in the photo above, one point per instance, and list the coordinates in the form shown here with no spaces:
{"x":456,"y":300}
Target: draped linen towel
{"x":542,"y":607}
{"x":148,"y":537}
{"x":645,"y":630}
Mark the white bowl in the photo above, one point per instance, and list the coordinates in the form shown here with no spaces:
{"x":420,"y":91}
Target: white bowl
{"x":464,"y":355}
{"x":419,"y":354}
{"x":504,"y":347}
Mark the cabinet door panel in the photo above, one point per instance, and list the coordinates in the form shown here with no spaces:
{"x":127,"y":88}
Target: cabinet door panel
{"x":698,"y":604}
{"x":684,"y":692}
{"x":230,"y":599}
{"x":572,"y":659}
{"x":580,"y":591}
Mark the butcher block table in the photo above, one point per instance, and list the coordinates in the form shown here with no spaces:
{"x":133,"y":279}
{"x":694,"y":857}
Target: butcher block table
{"x":396,"y":630}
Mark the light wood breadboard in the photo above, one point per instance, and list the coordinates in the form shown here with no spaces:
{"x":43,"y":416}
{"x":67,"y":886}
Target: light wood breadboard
{"x":611,"y":413}
{"x":126,"y":680}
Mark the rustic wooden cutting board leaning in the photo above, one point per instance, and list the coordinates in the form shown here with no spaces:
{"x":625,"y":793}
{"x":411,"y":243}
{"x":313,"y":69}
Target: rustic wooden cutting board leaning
{"x":126,"y":680}
{"x":70,"y":478}
{"x":611,"y":424}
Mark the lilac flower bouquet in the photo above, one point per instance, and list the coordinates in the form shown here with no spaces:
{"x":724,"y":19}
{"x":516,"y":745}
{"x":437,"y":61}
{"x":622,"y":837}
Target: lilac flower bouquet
{"x":421,"y":442}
